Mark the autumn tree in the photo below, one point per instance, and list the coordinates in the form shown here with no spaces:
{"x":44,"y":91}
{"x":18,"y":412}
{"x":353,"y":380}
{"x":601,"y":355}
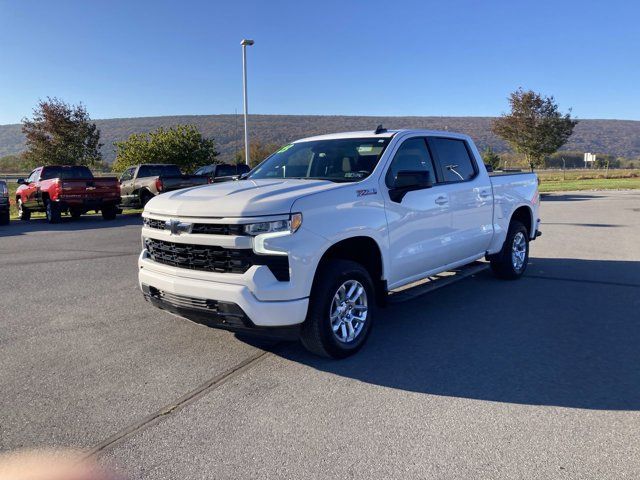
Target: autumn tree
{"x":257,"y":152}
{"x":182,"y":145}
{"x":61,"y":134}
{"x":535,"y":127}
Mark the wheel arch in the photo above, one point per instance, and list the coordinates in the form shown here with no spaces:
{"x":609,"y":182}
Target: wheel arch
{"x":364,"y":250}
{"x":525,"y":216}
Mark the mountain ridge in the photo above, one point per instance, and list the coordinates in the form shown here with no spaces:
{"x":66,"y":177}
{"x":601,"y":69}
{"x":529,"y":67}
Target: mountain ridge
{"x":620,"y":138}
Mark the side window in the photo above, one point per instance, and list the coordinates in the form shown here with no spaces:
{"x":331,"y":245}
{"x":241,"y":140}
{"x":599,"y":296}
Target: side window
{"x":412,"y":155}
{"x":453,"y":156}
{"x":206,"y":170}
{"x":127,"y":175}
{"x":33,"y":177}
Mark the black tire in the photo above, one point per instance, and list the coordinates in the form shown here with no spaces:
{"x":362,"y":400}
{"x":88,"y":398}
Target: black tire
{"x":505,"y":264}
{"x":109,"y":212}
{"x":23,"y":212}
{"x":52,"y":211}
{"x":5,"y":218}
{"x":145,"y":196}
{"x":75,"y":213}
{"x":317,"y":334}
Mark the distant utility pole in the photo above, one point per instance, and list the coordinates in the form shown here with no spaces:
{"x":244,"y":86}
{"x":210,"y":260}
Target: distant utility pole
{"x":244,"y":44}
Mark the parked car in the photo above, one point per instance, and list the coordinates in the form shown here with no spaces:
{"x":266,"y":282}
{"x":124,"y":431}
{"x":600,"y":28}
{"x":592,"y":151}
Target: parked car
{"x":223,"y":172}
{"x":141,"y":183}
{"x":4,"y":203}
{"x":56,"y":189}
{"x":318,"y":234}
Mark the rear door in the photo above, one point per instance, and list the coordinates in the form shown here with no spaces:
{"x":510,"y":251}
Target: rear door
{"x":420,"y":222}
{"x":469,"y":194}
{"x":126,"y":185}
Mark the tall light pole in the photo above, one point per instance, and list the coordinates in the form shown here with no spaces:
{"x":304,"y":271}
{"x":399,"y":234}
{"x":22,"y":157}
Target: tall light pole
{"x":244,"y":44}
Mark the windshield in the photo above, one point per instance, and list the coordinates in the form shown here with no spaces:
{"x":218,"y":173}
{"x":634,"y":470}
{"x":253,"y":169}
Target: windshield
{"x":65,"y":172}
{"x":158,"y":170}
{"x":339,"y":160}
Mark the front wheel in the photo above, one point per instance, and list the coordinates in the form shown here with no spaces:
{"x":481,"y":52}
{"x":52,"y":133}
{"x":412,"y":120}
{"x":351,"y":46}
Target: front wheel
{"x":511,"y":262}
{"x":341,"y":310}
{"x":5,"y":218}
{"x":23,"y":212}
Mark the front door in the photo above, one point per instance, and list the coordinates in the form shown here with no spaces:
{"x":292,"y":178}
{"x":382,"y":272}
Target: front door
{"x":30,"y":194}
{"x":419,"y":223}
{"x":126,"y":186}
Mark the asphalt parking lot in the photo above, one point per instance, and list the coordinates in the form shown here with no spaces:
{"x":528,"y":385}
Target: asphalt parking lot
{"x":538,"y":378}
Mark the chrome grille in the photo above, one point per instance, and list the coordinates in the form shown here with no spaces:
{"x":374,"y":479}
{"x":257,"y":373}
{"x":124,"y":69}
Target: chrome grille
{"x":202,"y":228}
{"x":199,"y":257}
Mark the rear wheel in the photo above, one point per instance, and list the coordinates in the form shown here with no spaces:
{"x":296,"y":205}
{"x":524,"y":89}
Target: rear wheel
{"x":5,"y":218}
{"x":341,"y":310}
{"x":109,"y":212}
{"x":511,"y":262}
{"x":52,"y":212}
{"x":145,"y":196}
{"x":23,"y":212}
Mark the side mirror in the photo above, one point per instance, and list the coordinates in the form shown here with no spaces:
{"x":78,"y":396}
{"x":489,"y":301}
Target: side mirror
{"x":407,"y":181}
{"x":488,"y":167}
{"x":20,"y":181}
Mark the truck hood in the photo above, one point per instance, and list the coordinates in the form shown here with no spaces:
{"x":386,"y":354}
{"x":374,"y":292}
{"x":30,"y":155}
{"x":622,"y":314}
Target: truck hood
{"x":243,"y":198}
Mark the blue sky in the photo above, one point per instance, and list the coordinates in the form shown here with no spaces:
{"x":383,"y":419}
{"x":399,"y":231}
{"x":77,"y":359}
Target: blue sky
{"x":148,"y":58}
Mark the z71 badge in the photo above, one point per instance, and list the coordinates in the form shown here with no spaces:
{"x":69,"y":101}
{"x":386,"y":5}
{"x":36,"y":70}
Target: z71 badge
{"x":366,"y":191}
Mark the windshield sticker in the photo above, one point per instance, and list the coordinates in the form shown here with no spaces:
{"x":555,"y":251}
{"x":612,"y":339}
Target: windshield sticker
{"x":285,"y":148}
{"x":365,"y":148}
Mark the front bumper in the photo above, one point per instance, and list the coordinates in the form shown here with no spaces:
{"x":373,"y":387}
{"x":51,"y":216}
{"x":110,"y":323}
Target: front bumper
{"x":215,"y":303}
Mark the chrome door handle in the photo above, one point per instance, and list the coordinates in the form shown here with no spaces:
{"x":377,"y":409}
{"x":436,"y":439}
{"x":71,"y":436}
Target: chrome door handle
{"x":484,"y":193}
{"x":441,"y":200}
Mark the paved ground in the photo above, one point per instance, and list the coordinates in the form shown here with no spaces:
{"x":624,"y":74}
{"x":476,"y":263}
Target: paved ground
{"x":482,"y":379}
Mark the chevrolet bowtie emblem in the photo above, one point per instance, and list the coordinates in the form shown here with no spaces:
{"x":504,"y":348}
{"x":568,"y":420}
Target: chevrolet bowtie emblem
{"x":176,"y":227}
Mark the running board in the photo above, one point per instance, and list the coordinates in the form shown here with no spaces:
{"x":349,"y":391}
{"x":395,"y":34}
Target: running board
{"x":434,"y":282}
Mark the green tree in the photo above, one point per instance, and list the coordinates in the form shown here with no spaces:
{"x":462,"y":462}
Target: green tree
{"x":183,"y":145}
{"x":257,"y":152}
{"x":490,"y":157}
{"x":61,"y":134}
{"x":535,"y":127}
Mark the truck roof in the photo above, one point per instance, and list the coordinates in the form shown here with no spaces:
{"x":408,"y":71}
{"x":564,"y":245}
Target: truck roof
{"x":385,"y":134}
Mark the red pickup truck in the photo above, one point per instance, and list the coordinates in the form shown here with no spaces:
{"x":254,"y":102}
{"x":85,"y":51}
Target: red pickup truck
{"x":56,"y":189}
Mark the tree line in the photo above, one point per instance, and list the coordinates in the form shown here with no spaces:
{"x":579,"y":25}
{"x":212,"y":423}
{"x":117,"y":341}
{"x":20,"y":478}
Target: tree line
{"x":59,"y":133}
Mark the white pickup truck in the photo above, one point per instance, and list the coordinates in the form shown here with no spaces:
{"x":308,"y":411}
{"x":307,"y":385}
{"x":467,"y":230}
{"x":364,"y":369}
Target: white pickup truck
{"x":314,"y":238}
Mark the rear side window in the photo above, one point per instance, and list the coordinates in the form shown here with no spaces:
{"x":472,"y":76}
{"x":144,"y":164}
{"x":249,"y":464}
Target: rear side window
{"x":454,"y":159}
{"x":412,"y":155}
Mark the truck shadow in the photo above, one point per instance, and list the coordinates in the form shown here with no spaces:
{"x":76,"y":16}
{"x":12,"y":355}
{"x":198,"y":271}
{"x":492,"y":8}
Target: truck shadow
{"x":569,"y":197}
{"x":565,"y":335}
{"x":86,"y":222}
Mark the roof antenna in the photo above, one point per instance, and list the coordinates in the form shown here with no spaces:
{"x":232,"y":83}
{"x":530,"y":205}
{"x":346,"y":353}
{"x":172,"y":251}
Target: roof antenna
{"x":380,"y":129}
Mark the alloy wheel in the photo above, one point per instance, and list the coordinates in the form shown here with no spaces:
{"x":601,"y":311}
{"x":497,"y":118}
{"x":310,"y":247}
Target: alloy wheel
{"x":348,"y":312}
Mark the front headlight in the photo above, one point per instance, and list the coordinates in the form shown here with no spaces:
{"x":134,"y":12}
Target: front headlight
{"x":288,"y":226}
